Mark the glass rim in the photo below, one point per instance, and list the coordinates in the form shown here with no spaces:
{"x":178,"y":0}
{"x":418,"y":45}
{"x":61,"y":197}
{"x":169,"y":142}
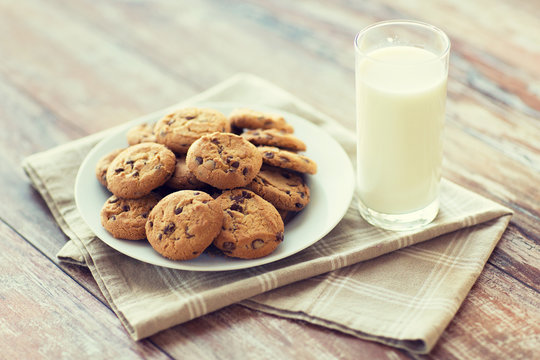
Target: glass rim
{"x":444,"y":53}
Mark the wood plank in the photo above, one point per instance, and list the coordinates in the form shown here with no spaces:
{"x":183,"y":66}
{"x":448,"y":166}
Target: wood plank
{"x":238,"y":332}
{"x":202,"y":45}
{"x":44,"y":314}
{"x":71,"y":68}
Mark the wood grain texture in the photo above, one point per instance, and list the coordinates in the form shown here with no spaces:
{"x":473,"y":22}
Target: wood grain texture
{"x":71,"y":68}
{"x":44,"y":314}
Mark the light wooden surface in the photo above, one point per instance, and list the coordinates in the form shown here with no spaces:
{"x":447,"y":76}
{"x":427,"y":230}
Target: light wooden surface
{"x":71,"y":68}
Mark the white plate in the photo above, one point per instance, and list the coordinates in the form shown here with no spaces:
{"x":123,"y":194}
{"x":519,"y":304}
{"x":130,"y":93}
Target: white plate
{"x":331,"y":193}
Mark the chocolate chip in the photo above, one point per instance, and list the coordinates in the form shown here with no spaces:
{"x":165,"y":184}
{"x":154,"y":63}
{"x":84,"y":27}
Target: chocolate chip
{"x":125,"y":208}
{"x":287,"y":192}
{"x":135,"y":174}
{"x":151,"y":224}
{"x":298,"y":205}
{"x":198,"y":159}
{"x":235,"y":164}
{"x":279,"y":236}
{"x":195,"y":252}
{"x":188,"y":235}
{"x":160,"y":236}
{"x":162,"y":133}
{"x":228,"y":159}
{"x":190,"y":117}
{"x":144,"y":215}
{"x":257,"y":243}
{"x":118,"y":170}
{"x":269,"y":155}
{"x":112,"y":218}
{"x":215,"y":141}
{"x":236,"y":207}
{"x":246,"y":195}
{"x":130,"y":162}
{"x":169,"y":228}
{"x":238,"y":198}
{"x":245,"y":171}
{"x":196,"y":193}
{"x":158,"y":166}
{"x":113,"y":200}
{"x":177,"y":211}
{"x":302,"y":194}
{"x":286,"y":175}
{"x":228,"y":246}
{"x":170,"y":122}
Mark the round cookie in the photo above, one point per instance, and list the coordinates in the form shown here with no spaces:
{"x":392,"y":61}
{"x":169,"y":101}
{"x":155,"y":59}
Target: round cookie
{"x":251,"y":119}
{"x":224,"y":160}
{"x":183,"y":224}
{"x":284,"y":189}
{"x":126,"y":218}
{"x":288,"y":160}
{"x":182,"y":178}
{"x":140,"y":134}
{"x":274,"y":137}
{"x":103,"y":164}
{"x":181,"y":128}
{"x":252,"y":227}
{"x":139,"y":169}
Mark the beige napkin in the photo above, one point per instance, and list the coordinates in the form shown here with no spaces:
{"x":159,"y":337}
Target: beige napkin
{"x":404,"y":299}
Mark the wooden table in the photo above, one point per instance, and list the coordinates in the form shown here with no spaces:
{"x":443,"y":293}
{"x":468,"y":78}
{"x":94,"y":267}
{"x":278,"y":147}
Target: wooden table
{"x":71,"y":68}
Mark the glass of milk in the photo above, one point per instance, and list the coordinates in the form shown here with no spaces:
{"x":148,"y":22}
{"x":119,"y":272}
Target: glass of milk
{"x":401,"y":74}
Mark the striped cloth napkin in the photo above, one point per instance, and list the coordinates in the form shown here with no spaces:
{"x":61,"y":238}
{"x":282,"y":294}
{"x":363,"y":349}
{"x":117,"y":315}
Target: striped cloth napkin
{"x":404,"y":296}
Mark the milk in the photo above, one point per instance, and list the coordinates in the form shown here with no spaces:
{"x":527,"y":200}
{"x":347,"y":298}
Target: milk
{"x":401,"y":92}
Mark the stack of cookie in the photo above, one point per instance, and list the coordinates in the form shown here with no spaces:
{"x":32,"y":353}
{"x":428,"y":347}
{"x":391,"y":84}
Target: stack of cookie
{"x":197,"y":178}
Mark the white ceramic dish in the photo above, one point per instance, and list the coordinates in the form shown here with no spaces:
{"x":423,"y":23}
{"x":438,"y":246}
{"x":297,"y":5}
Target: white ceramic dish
{"x":331,"y":193}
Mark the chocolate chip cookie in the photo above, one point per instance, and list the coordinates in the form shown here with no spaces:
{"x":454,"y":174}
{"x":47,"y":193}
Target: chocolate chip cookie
{"x":140,"y":134}
{"x":274,"y":137}
{"x":287,"y":160}
{"x":252,"y":227}
{"x":103,"y":164}
{"x":182,"y":178}
{"x":251,"y":119}
{"x":183,"y":224}
{"x":181,"y":128}
{"x":284,"y":189}
{"x":126,"y":218}
{"x":224,"y":160}
{"x":139,"y":169}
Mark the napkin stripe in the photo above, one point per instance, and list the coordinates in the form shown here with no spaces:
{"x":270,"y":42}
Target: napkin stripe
{"x":440,"y":275}
{"x":193,"y":301}
{"x":400,"y":324}
{"x":465,"y":263}
{"x":344,"y":281}
{"x":332,"y":288}
{"x":267,"y":280}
